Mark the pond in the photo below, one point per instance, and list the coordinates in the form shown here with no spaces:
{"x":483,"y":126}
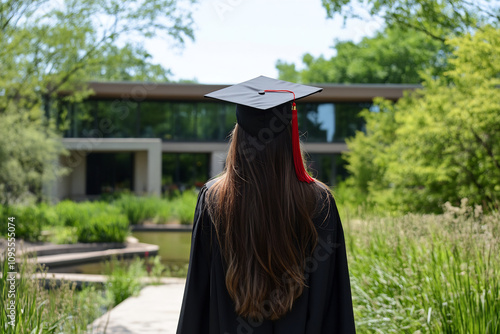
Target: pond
{"x":174,"y":252}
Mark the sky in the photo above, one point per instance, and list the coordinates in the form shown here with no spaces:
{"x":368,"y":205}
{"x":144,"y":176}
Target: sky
{"x":237,"y":40}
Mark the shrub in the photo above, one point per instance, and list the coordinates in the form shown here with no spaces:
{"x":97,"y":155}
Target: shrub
{"x":124,"y":281}
{"x":184,"y":206}
{"x":63,"y":235}
{"x":138,"y":209}
{"x":70,"y":213}
{"x":104,"y":227}
{"x":29,"y":220}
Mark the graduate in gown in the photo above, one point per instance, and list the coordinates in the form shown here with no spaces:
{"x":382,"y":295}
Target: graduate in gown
{"x":267,"y":253}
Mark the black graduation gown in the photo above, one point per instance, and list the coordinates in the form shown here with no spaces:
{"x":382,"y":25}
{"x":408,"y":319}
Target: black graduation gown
{"x":324,"y":307}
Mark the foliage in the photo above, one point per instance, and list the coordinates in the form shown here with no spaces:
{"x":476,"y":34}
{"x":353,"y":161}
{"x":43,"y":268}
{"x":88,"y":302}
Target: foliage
{"x":59,"y":309}
{"x":105,"y":227}
{"x":48,"y":52}
{"x":62,"y":235}
{"x":29,"y":220}
{"x":426,"y":273}
{"x":391,"y":56}
{"x":439,"y":19}
{"x":176,"y":270}
{"x":438,"y":144}
{"x":141,"y":209}
{"x":155,"y":269}
{"x":124,"y":280}
{"x":183,"y":206}
{"x":28,"y":151}
{"x":70,"y":222}
{"x":411,"y":43}
{"x":71,"y":214}
{"x":178,"y":207}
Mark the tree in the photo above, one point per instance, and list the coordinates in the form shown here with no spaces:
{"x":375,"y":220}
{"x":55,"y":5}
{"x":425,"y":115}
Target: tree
{"x":391,"y":56}
{"x":440,"y":143}
{"x":48,"y":47}
{"x":412,"y":41}
{"x":438,"y":19}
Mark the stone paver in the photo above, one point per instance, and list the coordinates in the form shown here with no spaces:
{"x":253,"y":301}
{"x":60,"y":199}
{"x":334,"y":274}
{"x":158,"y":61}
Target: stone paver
{"x":155,"y":310}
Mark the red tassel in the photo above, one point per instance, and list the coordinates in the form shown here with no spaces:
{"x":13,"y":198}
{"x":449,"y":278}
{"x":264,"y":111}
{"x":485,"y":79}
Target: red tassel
{"x":300,"y":171}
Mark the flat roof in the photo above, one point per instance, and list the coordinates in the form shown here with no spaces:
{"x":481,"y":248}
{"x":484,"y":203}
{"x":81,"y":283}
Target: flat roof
{"x":139,"y":91}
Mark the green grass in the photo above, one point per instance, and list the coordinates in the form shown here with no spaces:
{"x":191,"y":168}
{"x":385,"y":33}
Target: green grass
{"x":426,"y":273}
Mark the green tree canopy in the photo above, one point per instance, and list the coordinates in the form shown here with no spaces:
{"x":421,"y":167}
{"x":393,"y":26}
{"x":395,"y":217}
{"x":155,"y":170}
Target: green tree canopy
{"x":391,"y":56}
{"x":48,"y":46}
{"x":411,"y":43}
{"x":440,"y":143}
{"x":439,"y":19}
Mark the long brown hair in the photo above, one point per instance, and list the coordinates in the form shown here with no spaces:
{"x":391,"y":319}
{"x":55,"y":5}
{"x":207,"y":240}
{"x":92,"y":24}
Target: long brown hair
{"x":263,"y":219}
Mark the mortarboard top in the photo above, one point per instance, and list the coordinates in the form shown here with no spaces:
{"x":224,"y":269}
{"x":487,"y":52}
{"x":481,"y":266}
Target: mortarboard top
{"x":261,"y":102}
{"x":252,"y":93}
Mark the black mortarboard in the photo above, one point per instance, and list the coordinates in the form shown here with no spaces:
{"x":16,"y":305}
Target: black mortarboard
{"x":263,"y":101}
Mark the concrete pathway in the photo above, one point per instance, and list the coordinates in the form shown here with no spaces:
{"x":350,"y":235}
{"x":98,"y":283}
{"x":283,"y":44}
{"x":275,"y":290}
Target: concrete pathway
{"x":156,"y":310}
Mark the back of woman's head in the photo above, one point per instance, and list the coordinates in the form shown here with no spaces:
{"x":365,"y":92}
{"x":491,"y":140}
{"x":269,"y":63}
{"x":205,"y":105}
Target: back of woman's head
{"x":263,"y":218}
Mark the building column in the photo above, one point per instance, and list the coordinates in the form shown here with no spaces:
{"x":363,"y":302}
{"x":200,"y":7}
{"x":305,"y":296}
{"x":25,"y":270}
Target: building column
{"x":154,"y":169}
{"x":141,"y":172}
{"x":217,"y":161}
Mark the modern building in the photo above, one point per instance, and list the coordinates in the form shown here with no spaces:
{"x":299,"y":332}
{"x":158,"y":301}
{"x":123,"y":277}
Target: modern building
{"x":149,"y":138}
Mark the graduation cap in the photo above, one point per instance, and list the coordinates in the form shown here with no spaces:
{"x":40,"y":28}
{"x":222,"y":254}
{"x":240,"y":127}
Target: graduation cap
{"x":263,"y":106}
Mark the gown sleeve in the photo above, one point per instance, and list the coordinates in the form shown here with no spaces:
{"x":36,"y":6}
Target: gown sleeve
{"x":194,"y":315}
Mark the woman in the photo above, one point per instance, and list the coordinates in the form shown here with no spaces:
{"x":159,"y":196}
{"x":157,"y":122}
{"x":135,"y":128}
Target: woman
{"x":267,"y":253}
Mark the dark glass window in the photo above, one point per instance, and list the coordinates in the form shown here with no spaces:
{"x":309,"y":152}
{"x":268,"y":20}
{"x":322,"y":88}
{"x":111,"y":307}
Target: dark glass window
{"x":214,"y":121}
{"x":202,"y":121}
{"x":109,"y":172}
{"x":156,"y":120}
{"x":328,"y":168}
{"x":330,"y":122}
{"x":184,"y":170}
{"x":103,"y":118}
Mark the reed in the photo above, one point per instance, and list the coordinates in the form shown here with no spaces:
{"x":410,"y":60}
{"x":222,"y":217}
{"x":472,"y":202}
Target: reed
{"x":426,"y":273}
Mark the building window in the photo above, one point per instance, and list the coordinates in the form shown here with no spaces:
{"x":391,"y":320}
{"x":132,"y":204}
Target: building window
{"x":103,"y":119}
{"x":328,"y":168}
{"x":330,"y":122}
{"x":202,"y":121}
{"x":184,"y":170}
{"x":109,"y":172}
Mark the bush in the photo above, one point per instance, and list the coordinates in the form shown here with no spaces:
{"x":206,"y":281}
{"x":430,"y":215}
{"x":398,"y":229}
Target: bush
{"x":104,"y":227}
{"x":140,"y":209}
{"x":184,"y":206}
{"x":70,"y":213}
{"x":124,"y":281}
{"x":29,"y":220}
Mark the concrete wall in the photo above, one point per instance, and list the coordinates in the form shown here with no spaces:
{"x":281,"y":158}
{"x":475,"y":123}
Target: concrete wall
{"x":72,"y":185}
{"x":147,"y":164}
{"x":147,"y":161}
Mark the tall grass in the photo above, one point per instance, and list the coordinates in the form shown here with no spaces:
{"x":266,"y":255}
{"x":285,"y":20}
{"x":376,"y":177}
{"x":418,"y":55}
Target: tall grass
{"x":124,"y":280}
{"x":56,"y":310}
{"x":426,"y":273}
